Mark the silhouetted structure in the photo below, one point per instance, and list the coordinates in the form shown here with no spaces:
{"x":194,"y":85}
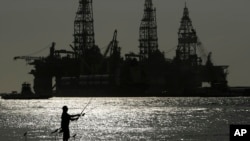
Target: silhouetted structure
{"x":86,"y":72}
{"x":26,"y":93}
{"x":188,"y":72}
{"x":84,"y":39}
{"x":66,"y":118}
{"x":148,"y":31}
{"x":187,"y":41}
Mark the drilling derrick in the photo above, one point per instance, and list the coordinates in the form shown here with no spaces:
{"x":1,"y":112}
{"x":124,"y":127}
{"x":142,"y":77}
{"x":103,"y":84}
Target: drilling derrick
{"x":148,"y":31}
{"x":84,"y":28}
{"x":187,"y":41}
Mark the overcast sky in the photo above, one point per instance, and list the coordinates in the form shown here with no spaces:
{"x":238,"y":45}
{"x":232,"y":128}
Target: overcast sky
{"x":27,"y":26}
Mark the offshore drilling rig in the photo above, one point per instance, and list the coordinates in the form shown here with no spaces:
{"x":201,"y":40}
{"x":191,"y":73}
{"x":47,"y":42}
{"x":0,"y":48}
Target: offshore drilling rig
{"x":85,"y":71}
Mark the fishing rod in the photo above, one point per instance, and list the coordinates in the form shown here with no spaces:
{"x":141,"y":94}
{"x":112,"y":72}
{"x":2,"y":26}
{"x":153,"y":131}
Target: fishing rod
{"x":91,"y":109}
{"x":82,"y":114}
{"x":85,"y":107}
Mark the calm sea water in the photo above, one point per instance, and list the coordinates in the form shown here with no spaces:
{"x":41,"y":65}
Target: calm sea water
{"x":125,"y":119}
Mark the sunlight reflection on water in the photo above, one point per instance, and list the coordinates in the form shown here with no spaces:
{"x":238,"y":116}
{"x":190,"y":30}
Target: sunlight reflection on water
{"x":146,"y":119}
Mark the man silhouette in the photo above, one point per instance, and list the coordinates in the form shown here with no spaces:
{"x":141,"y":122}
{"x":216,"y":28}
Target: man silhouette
{"x":66,"y":118}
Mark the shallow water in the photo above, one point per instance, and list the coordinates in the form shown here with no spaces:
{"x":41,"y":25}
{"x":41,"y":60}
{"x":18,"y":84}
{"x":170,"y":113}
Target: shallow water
{"x":128,"y":119}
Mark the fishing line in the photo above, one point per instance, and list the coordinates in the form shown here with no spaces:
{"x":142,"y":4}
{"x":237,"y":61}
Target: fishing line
{"x":82,"y":112}
{"x":91,"y":109}
{"x":86,"y":106}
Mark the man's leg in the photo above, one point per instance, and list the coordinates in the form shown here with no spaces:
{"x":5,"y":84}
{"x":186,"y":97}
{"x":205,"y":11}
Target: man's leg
{"x":66,"y":135}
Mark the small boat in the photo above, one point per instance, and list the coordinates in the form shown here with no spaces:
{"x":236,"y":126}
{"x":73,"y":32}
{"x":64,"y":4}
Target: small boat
{"x":26,"y":93}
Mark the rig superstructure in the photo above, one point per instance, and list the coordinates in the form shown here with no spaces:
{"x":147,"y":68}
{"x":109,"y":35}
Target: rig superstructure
{"x":148,"y":31}
{"x":85,"y":71}
{"x":84,"y":35}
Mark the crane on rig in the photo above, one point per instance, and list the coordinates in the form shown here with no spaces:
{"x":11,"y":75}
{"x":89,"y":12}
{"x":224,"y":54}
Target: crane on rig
{"x":113,"y":46}
{"x":29,"y":59}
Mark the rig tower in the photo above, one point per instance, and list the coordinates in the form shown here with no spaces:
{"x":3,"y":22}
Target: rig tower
{"x":187,"y":41}
{"x":148,"y":31}
{"x":84,"y":28}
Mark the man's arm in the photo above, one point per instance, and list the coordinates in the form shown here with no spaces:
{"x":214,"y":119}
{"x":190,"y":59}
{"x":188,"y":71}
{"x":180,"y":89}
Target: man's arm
{"x":76,"y":117}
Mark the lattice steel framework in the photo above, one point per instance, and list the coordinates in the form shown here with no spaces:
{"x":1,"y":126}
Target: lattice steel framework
{"x":148,"y":31}
{"x":84,"y":28}
{"x":187,"y":39}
